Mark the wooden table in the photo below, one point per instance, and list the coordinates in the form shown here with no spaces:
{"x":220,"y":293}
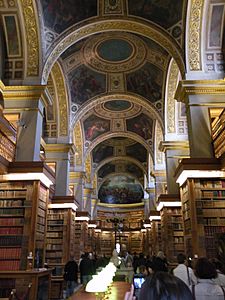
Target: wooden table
{"x":118,"y":291}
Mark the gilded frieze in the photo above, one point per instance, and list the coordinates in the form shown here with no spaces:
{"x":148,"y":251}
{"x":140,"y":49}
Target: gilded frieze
{"x":194,"y":41}
{"x":88,"y":169}
{"x":62,"y":99}
{"x":78,"y":144}
{"x":158,"y":139}
{"x":75,"y":35}
{"x":172,"y":83}
{"x":31,"y":38}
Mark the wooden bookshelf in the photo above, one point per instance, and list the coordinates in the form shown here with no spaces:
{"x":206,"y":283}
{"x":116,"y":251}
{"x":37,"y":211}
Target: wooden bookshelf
{"x":203,"y":208}
{"x":171,"y":226}
{"x":22,"y":224}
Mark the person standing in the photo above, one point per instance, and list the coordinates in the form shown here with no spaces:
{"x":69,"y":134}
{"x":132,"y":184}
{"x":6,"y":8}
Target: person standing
{"x":71,"y":276}
{"x":183,"y":272}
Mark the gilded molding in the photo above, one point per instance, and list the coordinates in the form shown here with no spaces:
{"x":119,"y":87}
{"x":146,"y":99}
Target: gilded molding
{"x":31,"y":37}
{"x":194,"y":41}
{"x":102,"y":25}
{"x":88,"y":169}
{"x":23,"y":92}
{"x":172,"y":83}
{"x":159,"y":138}
{"x":78,"y":144}
{"x":62,"y":99}
{"x":199,"y":87}
{"x":63,"y":148}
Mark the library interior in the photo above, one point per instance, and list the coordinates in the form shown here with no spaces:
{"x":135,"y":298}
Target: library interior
{"x":112,"y":135}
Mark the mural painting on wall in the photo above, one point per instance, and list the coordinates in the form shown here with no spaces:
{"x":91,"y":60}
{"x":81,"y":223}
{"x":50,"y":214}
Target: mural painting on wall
{"x":163,"y":12}
{"x":12,"y":36}
{"x":95,"y":126}
{"x":85,"y":84}
{"x":141,"y":125}
{"x":137,"y":151}
{"x":147,"y":82}
{"x":134,"y":170}
{"x":106,"y":170}
{"x":101,"y":152}
{"x":120,"y":189}
{"x":71,"y":12}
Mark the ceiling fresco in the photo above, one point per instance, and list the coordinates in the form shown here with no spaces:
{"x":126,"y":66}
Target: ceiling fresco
{"x":85,"y":84}
{"x":141,"y":125}
{"x":147,"y":82}
{"x":120,"y":189}
{"x":95,"y":126}
{"x":106,"y":169}
{"x":101,"y":152}
{"x":165,"y":13}
{"x":137,"y":151}
{"x":60,"y":14}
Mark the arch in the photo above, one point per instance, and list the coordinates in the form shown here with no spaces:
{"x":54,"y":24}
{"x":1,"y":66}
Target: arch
{"x":88,"y":168}
{"x":62,"y":98}
{"x":159,"y":158}
{"x":94,"y":26}
{"x":83,"y":110}
{"x":107,"y":136}
{"x":127,"y":158}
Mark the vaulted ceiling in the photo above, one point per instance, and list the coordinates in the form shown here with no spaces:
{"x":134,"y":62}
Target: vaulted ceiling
{"x":106,"y":64}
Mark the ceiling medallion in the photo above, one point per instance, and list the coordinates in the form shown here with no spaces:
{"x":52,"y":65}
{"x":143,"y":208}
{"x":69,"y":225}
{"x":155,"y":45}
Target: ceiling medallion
{"x":117,"y":108}
{"x":114,"y":52}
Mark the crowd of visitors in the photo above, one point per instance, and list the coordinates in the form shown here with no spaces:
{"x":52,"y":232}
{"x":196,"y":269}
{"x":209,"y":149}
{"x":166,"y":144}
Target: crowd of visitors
{"x":201,"y":279}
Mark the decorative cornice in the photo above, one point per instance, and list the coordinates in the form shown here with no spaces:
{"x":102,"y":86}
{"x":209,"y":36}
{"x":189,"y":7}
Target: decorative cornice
{"x":64,"y":148}
{"x":199,"y":87}
{"x":173,"y":145}
{"x":31,"y":92}
{"x":128,"y":24}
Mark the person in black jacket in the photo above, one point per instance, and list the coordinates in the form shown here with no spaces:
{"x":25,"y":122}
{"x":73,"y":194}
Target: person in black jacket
{"x":71,"y":276}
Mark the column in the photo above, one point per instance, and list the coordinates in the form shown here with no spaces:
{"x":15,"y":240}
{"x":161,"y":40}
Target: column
{"x":60,"y":154}
{"x":198,"y":97}
{"x":29,"y":103}
{"x":174,"y":151}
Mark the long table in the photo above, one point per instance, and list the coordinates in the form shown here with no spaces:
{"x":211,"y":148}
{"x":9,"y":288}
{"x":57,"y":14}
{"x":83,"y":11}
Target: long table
{"x":118,"y":291}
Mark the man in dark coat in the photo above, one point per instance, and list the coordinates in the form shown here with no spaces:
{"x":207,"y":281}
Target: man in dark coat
{"x":71,"y":276}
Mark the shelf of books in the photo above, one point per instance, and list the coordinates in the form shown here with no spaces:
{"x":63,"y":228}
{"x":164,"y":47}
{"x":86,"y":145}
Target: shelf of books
{"x":23,"y":206}
{"x":107,"y":242}
{"x":81,"y":237}
{"x":203,"y":206}
{"x":60,"y":238}
{"x":136,"y":242}
{"x":155,"y":232}
{"x":172,"y":232}
{"x":22,"y":224}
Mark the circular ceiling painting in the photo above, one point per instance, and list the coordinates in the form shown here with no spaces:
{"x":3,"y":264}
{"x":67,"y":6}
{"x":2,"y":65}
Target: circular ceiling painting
{"x":115,"y":50}
{"x":118,"y":105}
